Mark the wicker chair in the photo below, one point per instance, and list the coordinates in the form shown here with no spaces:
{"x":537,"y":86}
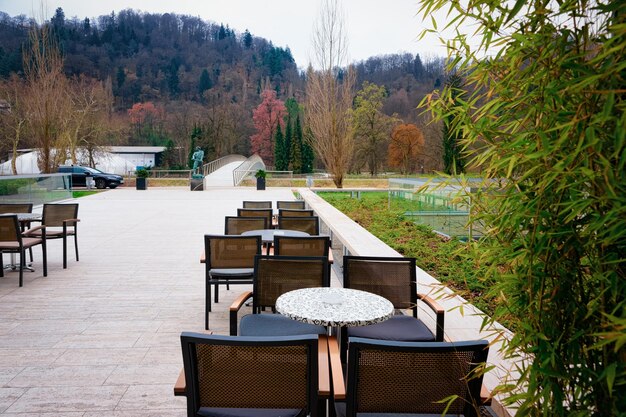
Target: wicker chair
{"x":302,"y":246}
{"x":257,"y":204}
{"x":310,"y":225}
{"x":13,"y":240}
{"x":237,"y":225}
{"x":243,"y":377}
{"x":410,"y":378}
{"x":395,"y":279}
{"x":229,"y":260}
{"x":293,"y":205}
{"x":60,"y":221}
{"x":267,"y":213}
{"x":295,"y":213}
{"x":274,"y":276}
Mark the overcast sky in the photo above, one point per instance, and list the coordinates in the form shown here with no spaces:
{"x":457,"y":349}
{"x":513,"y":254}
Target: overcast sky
{"x":375,"y":27}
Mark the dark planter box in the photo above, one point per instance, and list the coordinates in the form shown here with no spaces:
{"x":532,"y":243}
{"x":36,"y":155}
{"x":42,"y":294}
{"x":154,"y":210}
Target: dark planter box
{"x":197,"y":184}
{"x":142,"y":183}
{"x":260,"y":183}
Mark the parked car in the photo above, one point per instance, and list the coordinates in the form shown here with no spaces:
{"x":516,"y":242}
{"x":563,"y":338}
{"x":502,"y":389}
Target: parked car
{"x":101,"y":179}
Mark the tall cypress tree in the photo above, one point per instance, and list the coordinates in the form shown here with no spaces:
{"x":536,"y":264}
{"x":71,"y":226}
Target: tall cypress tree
{"x":452,"y":156}
{"x":306,"y":149}
{"x":287,"y":142}
{"x":296,"y":149}
{"x":279,"y":150}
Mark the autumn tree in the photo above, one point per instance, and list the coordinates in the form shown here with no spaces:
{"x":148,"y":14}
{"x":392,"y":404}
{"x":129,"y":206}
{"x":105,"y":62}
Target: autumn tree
{"x":371,"y":126}
{"x":329,"y":93}
{"x":267,"y":117}
{"x":45,"y":95}
{"x":407,"y":143}
{"x":147,"y":120}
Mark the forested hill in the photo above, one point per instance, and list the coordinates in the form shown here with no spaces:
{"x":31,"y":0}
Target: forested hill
{"x":157,"y":57}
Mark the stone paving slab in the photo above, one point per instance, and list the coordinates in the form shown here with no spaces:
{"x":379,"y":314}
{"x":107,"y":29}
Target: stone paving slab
{"x":101,"y":338}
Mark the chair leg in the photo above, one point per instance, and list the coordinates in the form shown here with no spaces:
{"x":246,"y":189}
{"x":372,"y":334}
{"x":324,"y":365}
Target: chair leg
{"x":64,"y":252}
{"x":217,"y":293}
{"x":44,"y":252}
{"x":1,"y":265}
{"x":22,"y":263}
{"x":76,"y":244}
{"x":207,"y":304}
{"x":30,"y":250}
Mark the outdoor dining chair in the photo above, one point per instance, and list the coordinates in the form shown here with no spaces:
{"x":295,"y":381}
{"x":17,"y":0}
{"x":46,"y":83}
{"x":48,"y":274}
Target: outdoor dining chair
{"x":10,"y":208}
{"x":254,"y":376}
{"x":257,"y":204}
{"x":292,"y":204}
{"x":237,"y":225}
{"x":13,"y":240}
{"x":267,"y":213}
{"x":302,"y":245}
{"x":393,"y":278}
{"x":310,"y":225}
{"x":274,"y":276}
{"x":229,"y":259}
{"x":60,"y":221}
{"x":295,"y":213}
{"x":410,"y":378}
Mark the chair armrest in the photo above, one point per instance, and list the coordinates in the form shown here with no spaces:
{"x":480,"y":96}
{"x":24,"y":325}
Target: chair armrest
{"x":30,"y":231}
{"x":180,"y":387}
{"x":234,"y":309}
{"x":439,"y":311}
{"x":323,"y":367}
{"x":203,"y":257}
{"x":338,"y":384}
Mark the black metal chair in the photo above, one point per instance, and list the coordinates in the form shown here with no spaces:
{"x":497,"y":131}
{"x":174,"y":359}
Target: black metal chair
{"x":295,"y":213}
{"x":302,"y":245}
{"x":257,"y":204}
{"x":234,"y":225}
{"x":267,"y":213}
{"x":244,"y":376}
{"x":228,"y":260}
{"x":10,"y":208}
{"x":60,"y":221}
{"x":274,"y":276}
{"x":309,"y":224}
{"x":395,"y":279}
{"x":13,"y":240}
{"x":411,"y":378}
{"x":292,"y":204}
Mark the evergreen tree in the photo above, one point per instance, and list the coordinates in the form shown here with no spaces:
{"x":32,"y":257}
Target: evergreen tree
{"x":121,"y":77}
{"x":287,"y":143}
{"x":452,"y":158}
{"x":296,"y":149}
{"x":307,"y":151}
{"x":279,"y":150}
{"x":247,"y":39}
{"x":204,"y":83}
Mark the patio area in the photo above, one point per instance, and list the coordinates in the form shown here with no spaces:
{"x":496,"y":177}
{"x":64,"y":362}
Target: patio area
{"x":102,"y":338}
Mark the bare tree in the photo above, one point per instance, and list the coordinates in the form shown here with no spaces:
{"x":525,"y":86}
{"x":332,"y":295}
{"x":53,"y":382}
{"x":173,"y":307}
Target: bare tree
{"x":13,"y":121}
{"x":329,"y":93}
{"x":46,"y":94}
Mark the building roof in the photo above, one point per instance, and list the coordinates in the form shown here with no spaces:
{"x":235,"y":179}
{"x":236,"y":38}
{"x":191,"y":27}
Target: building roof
{"x":135,"y":149}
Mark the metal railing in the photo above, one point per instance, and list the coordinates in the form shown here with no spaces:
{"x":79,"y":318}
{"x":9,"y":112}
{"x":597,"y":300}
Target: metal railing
{"x":213,"y":166}
{"x":248,"y":167}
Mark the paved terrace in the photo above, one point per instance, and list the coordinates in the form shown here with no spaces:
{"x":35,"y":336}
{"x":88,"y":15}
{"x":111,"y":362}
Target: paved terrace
{"x":101,"y":338}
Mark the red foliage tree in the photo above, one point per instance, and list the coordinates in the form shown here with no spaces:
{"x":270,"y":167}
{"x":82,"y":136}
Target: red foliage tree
{"x":146,"y":112}
{"x":407,"y":143}
{"x":267,"y":116}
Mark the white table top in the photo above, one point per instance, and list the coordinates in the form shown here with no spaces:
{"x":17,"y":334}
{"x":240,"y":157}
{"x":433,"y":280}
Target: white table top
{"x":267,"y":235}
{"x":334,"y":307}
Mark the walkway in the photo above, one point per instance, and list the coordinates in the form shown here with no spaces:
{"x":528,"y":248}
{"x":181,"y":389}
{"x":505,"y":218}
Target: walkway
{"x":101,"y":338}
{"x":222,"y":177}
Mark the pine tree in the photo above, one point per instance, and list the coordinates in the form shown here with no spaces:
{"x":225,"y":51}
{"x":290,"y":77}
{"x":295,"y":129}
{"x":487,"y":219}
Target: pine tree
{"x":287,"y":143}
{"x":296,"y":149}
{"x":307,"y":151}
{"x":279,"y":150}
{"x":205,"y":82}
{"x":452,"y":156}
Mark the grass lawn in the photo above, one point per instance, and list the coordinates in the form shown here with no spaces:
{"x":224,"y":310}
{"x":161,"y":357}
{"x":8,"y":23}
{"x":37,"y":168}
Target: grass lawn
{"x":441,"y":258}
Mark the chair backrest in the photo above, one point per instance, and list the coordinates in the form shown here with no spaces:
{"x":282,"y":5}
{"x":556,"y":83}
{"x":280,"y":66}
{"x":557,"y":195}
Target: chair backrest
{"x":237,"y":225}
{"x":301,"y":246}
{"x":54,"y":214}
{"x":231,"y":251}
{"x":9,"y":230}
{"x":257,"y":204}
{"x":16,"y":208}
{"x":276,"y":275}
{"x":392,"y":278}
{"x":310,"y":225}
{"x":414,"y":377}
{"x":267,"y":213}
{"x":293,"y":204}
{"x":250,"y":372}
{"x":295,"y":213}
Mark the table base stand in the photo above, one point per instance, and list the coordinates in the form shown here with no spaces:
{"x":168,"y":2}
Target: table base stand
{"x":14,"y":266}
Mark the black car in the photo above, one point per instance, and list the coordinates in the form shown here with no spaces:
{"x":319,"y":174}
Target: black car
{"x":101,"y":179}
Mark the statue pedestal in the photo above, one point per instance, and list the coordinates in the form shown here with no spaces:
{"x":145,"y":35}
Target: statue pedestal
{"x":197,"y":184}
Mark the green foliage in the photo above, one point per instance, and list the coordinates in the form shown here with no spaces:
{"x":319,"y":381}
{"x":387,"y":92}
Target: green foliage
{"x":546,"y":122}
{"x":260,"y":174}
{"x":12,"y":186}
{"x":453,"y":162}
{"x":435,"y":255}
{"x":142,"y":173}
{"x":280,"y":161}
{"x":78,"y":194}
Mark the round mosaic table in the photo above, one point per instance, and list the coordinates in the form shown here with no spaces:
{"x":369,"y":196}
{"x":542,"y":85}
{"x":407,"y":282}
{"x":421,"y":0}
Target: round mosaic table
{"x":334,"y":307}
